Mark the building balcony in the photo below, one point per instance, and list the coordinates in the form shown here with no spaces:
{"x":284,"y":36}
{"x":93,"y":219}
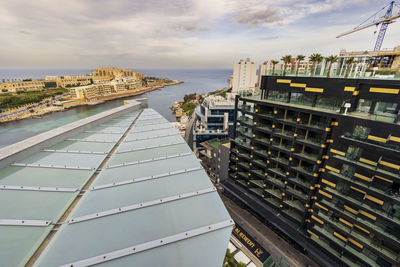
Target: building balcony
{"x":260,"y":163}
{"x":297,"y":194}
{"x":263,"y":141}
{"x":245,"y":156}
{"x":259,"y":192}
{"x":275,"y":182}
{"x":365,"y":140}
{"x":288,"y":120}
{"x":284,"y":148}
{"x":307,"y":156}
{"x":277,"y":171}
{"x":268,"y":116}
{"x":300,"y":182}
{"x":294,"y":215}
{"x":306,"y":171}
{"x":366,"y":186}
{"x":296,"y":205}
{"x":274,"y":192}
{"x":328,"y":247}
{"x":258,"y":183}
{"x":264,"y":128}
{"x":280,"y":160}
{"x":309,"y":141}
{"x":319,"y":127}
{"x":246,"y":108}
{"x":245,"y":120}
{"x":362,"y":205}
{"x":380,"y":250}
{"x":244,"y":165}
{"x":285,"y":134}
{"x":259,"y":173}
{"x":242,"y":182}
{"x":261,"y":152}
{"x":273,"y":201}
{"x":241,"y":143}
{"x":362,"y":222}
{"x":368,"y":167}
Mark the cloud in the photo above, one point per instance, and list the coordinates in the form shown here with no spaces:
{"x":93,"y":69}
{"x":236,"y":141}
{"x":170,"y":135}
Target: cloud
{"x":168,"y":33}
{"x":269,"y":38}
{"x":267,"y":16}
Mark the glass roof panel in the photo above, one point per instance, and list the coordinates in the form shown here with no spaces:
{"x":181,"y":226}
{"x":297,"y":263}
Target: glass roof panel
{"x":83,"y":146}
{"x":18,"y":243}
{"x":149,"y":153}
{"x":49,"y":177}
{"x":65,"y":159}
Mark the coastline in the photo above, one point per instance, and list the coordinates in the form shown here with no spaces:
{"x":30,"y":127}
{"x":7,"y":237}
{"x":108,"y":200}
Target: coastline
{"x":53,"y":108}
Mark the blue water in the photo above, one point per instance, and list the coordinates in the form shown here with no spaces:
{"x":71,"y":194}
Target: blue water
{"x":195,"y":80}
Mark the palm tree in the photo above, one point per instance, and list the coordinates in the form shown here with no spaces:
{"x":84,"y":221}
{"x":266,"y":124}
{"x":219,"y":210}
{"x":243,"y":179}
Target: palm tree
{"x":286,"y":59}
{"x":299,"y":59}
{"x":331,"y":59}
{"x":274,"y":62}
{"x":315,"y":58}
{"x":349,"y":62}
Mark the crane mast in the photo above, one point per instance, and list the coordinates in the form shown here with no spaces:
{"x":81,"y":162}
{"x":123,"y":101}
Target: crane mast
{"x":382,"y":31}
{"x":385,"y":20}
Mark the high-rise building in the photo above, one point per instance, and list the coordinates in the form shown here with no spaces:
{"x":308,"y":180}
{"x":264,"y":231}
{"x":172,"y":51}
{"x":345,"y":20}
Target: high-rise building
{"x":319,"y":158}
{"x":244,"y":76}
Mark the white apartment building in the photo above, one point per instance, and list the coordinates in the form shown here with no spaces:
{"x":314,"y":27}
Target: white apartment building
{"x":244,"y":76}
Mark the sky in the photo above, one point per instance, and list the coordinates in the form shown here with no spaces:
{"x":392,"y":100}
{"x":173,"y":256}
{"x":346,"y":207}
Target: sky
{"x":179,"y":33}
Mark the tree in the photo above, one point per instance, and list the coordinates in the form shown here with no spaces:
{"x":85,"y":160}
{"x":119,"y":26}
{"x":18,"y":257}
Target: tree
{"x":331,"y":59}
{"x":315,"y":58}
{"x":229,"y":261}
{"x":349,"y":62}
{"x":274,"y":62}
{"x":299,"y":59}
{"x":286,"y":59}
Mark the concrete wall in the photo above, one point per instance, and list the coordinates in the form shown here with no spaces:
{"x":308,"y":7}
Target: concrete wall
{"x":22,"y":149}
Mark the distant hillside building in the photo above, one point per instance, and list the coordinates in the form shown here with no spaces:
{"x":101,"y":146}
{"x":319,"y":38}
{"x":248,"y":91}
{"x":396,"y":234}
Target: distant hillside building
{"x":70,"y":80}
{"x":21,"y":86}
{"x":244,"y":76}
{"x":107,"y":74}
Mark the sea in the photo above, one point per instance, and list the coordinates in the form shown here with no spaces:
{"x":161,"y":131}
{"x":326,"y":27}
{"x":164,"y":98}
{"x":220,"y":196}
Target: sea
{"x":195,"y":81}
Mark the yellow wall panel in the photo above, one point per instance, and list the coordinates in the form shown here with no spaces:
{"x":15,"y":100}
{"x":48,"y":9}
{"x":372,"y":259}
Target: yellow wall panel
{"x":283,"y":81}
{"x":384,"y":90}
{"x":316,"y":90}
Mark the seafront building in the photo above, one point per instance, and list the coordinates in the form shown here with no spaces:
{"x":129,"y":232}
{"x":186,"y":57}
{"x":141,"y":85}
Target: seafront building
{"x":213,"y":119}
{"x":105,"y":74}
{"x":70,"y":80}
{"x":22,"y":86}
{"x":319,"y":159}
{"x":244,"y":76}
{"x":74,"y":196}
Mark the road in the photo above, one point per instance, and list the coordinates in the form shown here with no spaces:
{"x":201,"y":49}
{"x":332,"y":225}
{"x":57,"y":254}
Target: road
{"x":32,"y":107}
{"x":273,"y":243}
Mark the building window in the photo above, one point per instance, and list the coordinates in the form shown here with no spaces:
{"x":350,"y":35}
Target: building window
{"x":353,"y":153}
{"x":385,"y":111}
{"x":361,"y":132}
{"x":333,"y":103}
{"x":278,"y":96}
{"x":301,"y":99}
{"x":364,"y":105}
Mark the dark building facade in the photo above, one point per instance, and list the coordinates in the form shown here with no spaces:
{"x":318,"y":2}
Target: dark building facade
{"x":319,"y":158}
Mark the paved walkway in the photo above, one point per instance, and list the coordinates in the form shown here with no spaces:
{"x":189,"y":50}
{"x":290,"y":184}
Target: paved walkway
{"x":274,"y":244}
